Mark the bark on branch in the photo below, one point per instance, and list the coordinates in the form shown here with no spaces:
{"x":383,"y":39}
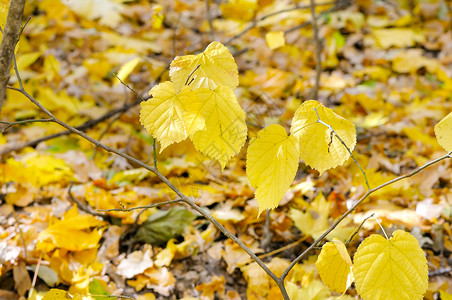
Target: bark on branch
{"x":9,"y":40}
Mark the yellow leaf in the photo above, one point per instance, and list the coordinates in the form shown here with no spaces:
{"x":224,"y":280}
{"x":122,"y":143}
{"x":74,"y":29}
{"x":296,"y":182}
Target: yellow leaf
{"x":315,"y":290}
{"x":314,"y":221}
{"x":445,"y":295}
{"x":334,"y":266}
{"x":242,"y":10}
{"x":26,"y":60}
{"x":56,"y":294}
{"x":275,"y":39}
{"x":127,"y":68}
{"x":216,"y":67}
{"x":443,"y":132}
{"x":394,"y":269}
{"x":163,"y":115}
{"x":225,"y":129}
{"x":73,"y":233}
{"x":271,"y":165}
{"x":398,"y":37}
{"x":318,"y":147}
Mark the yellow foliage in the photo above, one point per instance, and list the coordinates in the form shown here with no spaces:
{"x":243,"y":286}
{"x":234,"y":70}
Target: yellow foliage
{"x":73,"y":233}
{"x":314,"y":221}
{"x":315,"y":290}
{"x":225,"y":129}
{"x":57,"y":294}
{"x":242,"y":10}
{"x":319,"y":148}
{"x":126,"y":69}
{"x":398,"y":37}
{"x":334,"y":266}
{"x":165,"y":115}
{"x":275,"y":39}
{"x":443,"y":132}
{"x":390,"y":269}
{"x":271,"y":165}
{"x":216,"y":67}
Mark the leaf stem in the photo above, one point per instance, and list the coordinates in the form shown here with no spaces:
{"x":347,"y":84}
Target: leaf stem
{"x":358,"y":229}
{"x":382,"y":229}
{"x":188,"y":78}
{"x":346,"y":147}
{"x":140,"y":207}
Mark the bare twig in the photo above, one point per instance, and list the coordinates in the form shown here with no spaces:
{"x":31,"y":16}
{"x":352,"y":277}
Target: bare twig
{"x":87,"y":125}
{"x":154,"y":146}
{"x":345,"y":145}
{"x":351,"y":209}
{"x":318,"y":62}
{"x":113,"y":296}
{"x":85,"y":207}
{"x":10,"y":124}
{"x":381,"y":227}
{"x":104,"y":132}
{"x":188,"y":78}
{"x":35,"y":276}
{"x":9,"y":40}
{"x":358,"y":229}
{"x":130,"y":88}
{"x":267,"y":235}
{"x":254,"y":23}
{"x":209,"y":20}
{"x":154,"y":153}
{"x":141,"y":207}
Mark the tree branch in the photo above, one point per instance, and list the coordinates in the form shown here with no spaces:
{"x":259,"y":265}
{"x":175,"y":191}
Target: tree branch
{"x":184,"y":198}
{"x":364,"y":197}
{"x":8,"y":45}
{"x":318,"y":62}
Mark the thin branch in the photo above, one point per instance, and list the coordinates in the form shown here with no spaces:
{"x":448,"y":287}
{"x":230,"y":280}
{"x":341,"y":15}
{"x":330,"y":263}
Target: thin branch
{"x":85,"y":207}
{"x":267,"y":235}
{"x":9,"y":41}
{"x":254,"y":23}
{"x":130,"y":88}
{"x":35,"y":276}
{"x":189,"y":75}
{"x":304,"y":24}
{"x":10,"y":124}
{"x":351,"y":209}
{"x":318,"y":62}
{"x":87,"y":125}
{"x":165,"y":180}
{"x":382,"y":229}
{"x":358,"y":229}
{"x":345,"y":145}
{"x":154,"y":154}
{"x":141,"y":207}
{"x":104,"y":132}
{"x":113,"y":296}
{"x":283,"y":248}
{"x":209,"y":20}
{"x":154,"y":146}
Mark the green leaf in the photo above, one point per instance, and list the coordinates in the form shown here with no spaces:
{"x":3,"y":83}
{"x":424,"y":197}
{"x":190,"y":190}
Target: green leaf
{"x":96,"y":288}
{"x":164,"y":225}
